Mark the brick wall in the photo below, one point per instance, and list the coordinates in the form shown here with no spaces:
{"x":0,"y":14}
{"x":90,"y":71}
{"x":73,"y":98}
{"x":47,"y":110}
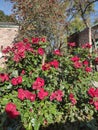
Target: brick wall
{"x":82,"y":37}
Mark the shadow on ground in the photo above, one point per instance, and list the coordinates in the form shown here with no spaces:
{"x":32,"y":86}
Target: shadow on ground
{"x":92,"y":125}
{"x":16,"y":124}
{"x":10,"y":124}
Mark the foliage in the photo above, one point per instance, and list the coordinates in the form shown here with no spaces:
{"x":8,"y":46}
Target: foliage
{"x":51,"y":18}
{"x":6,"y":18}
{"x":75,"y":28}
{"x":36,"y":92}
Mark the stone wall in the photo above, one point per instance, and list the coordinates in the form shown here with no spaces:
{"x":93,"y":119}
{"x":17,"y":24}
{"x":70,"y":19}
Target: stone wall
{"x":7,"y":36}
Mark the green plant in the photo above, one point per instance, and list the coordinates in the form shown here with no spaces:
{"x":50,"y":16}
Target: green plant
{"x":36,"y":91}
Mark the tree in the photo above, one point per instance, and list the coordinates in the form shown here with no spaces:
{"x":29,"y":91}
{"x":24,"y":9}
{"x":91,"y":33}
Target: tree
{"x":51,"y":18}
{"x":6,"y":18}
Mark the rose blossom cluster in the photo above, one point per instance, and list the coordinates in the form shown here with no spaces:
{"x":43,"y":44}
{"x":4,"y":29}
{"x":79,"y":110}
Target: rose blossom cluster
{"x":78,"y":64}
{"x":57,"y":95}
{"x":41,"y":51}
{"x":93,"y":93}
{"x":38,"y":85}
{"x":25,"y":94}
{"x":57,"y":52}
{"x":72,"y":44}
{"x":6,"y":50}
{"x":11,"y":110}
{"x":53,"y":63}
{"x":72,"y":99}
{"x":16,"y":80}
{"x":4,"y":77}
{"x":86,"y":45}
{"x":42,"y":94}
{"x":36,"y":40}
{"x":19,"y":50}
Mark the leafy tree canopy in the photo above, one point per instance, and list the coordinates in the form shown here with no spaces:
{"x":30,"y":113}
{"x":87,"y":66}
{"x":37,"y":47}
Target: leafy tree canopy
{"x":6,"y":18}
{"x":54,"y":19}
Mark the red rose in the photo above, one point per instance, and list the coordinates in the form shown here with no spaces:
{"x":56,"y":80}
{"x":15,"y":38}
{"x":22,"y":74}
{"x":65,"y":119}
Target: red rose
{"x":87,"y":45}
{"x":55,"y":63}
{"x":35,"y":40}
{"x":19,"y":79}
{"x":30,"y":95}
{"x":57,"y":52}
{"x":52,"y":96}
{"x":16,"y":58}
{"x":91,"y":92}
{"x":85,"y":62}
{"x":75,"y":58}
{"x":38,"y":83}
{"x":14,"y":81}
{"x":25,"y":40}
{"x":41,"y":51}
{"x":21,"y":94}
{"x":96,"y":104}
{"x":72,"y":99}
{"x":11,"y":110}
{"x":88,"y":69}
{"x":43,"y":39}
{"x":4,"y":77}
{"x":77,"y":65}
{"x":42,"y":94}
{"x":46,"y":66}
{"x":57,"y":95}
{"x":96,"y":92}
{"x":23,"y":72}
{"x":6,"y":50}
{"x":72,"y":44}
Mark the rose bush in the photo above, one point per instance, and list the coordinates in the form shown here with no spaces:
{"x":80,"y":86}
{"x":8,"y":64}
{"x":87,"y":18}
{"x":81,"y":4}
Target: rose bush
{"x":41,"y":93}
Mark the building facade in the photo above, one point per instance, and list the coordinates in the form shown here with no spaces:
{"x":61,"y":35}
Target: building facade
{"x":8,"y":33}
{"x":84,"y":36}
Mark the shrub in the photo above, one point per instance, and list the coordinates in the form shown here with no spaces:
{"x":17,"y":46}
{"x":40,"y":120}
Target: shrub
{"x":39,"y":92}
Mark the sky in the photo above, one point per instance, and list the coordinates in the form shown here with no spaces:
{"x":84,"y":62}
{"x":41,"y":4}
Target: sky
{"x":7,"y":7}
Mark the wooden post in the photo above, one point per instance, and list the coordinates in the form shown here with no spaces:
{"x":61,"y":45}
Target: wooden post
{"x":90,"y":38}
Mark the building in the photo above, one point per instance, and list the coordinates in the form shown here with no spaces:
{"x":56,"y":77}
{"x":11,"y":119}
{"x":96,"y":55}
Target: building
{"x":8,"y":32}
{"x":88,"y":35}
